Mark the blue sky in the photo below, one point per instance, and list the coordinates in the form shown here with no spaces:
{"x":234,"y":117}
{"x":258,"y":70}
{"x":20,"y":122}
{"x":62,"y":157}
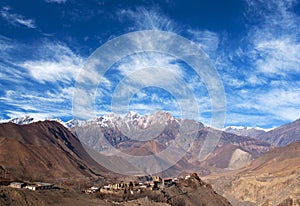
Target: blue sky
{"x":254,"y":45}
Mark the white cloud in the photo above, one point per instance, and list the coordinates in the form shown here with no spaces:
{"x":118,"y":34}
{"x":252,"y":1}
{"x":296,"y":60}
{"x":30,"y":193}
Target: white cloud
{"x":270,"y":59}
{"x":147,"y":19}
{"x":162,"y":71}
{"x":56,"y":1}
{"x":279,"y":102}
{"x":232,"y":81}
{"x":209,"y":41}
{"x":283,"y":103}
{"x":5,"y":43}
{"x":58,"y":63}
{"x":274,"y":42}
{"x":48,"y":104}
{"x":279,"y":56}
{"x":16,"y":19}
{"x":40,"y":86}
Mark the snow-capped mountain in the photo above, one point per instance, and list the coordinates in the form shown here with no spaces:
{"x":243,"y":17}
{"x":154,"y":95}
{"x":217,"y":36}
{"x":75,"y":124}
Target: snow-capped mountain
{"x":28,"y":120}
{"x":245,"y":131}
{"x":114,"y":120}
{"x":138,"y":135}
{"x":22,"y":120}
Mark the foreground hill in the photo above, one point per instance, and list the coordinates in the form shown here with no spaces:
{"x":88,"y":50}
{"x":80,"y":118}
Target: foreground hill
{"x":43,"y":151}
{"x":192,"y":192}
{"x":189,"y":191}
{"x":271,"y":179}
{"x":283,"y":135}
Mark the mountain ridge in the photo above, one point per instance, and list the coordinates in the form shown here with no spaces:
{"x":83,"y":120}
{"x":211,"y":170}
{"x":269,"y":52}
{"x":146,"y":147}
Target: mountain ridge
{"x":44,"y":150}
{"x":283,"y":135}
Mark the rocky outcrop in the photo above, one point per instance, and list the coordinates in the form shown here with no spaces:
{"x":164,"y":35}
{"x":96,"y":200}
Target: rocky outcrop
{"x":269,"y":180}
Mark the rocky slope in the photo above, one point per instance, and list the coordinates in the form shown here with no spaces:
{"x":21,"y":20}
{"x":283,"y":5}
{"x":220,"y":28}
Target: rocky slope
{"x":283,"y":135}
{"x":271,"y":179}
{"x":137,"y":135}
{"x":194,"y":191}
{"x":43,"y":151}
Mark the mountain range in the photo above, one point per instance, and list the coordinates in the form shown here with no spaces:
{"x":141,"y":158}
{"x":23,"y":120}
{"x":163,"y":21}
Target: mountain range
{"x":129,"y":135}
{"x":248,"y":166}
{"x":48,"y":151}
{"x":283,"y":135}
{"x":138,"y":135}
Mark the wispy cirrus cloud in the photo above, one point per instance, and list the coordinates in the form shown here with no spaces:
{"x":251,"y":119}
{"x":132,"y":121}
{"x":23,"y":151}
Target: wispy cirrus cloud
{"x":154,"y":19}
{"x":257,"y":75}
{"x":51,"y":103}
{"x":147,"y":19}
{"x":208,"y":40}
{"x":169,"y":70}
{"x":147,"y":82}
{"x":16,"y":19}
{"x":41,"y":85}
{"x":276,"y":47}
{"x":57,"y":63}
{"x":56,"y":1}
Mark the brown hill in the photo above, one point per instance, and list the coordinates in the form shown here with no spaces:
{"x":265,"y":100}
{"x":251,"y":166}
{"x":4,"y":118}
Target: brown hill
{"x":24,"y":197}
{"x":193,"y":191}
{"x":189,"y":191}
{"x":283,"y":135}
{"x":43,"y":151}
{"x":270,"y":179}
{"x":228,"y":157}
{"x":278,"y":160}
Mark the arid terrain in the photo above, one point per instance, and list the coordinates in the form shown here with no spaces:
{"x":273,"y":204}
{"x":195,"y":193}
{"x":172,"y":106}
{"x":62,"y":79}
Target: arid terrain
{"x":271,"y":179}
{"x":244,"y":169}
{"x":44,"y":150}
{"x":47,"y":151}
{"x":232,"y":151}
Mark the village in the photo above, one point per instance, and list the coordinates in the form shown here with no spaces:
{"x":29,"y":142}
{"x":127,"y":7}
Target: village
{"x":148,"y":183}
{"x":151,"y":188}
{"x":130,"y":185}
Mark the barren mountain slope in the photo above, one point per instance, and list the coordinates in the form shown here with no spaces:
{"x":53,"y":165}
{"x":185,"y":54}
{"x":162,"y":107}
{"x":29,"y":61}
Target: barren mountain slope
{"x":270,"y":179}
{"x":43,"y":150}
{"x":283,"y":135}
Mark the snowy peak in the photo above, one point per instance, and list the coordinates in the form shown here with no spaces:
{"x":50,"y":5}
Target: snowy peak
{"x":131,"y":118}
{"x":28,"y":120}
{"x":132,"y":115}
{"x":245,"y":131}
{"x":22,"y":120}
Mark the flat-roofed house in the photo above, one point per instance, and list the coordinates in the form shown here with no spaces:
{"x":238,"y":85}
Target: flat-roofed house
{"x":16,"y":184}
{"x":40,"y":186}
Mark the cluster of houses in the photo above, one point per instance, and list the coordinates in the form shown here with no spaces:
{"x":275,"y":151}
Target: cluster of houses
{"x":132,"y":186}
{"x":153,"y":183}
{"x":32,"y":186}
